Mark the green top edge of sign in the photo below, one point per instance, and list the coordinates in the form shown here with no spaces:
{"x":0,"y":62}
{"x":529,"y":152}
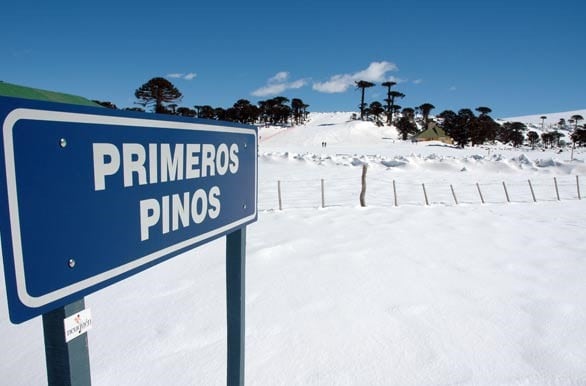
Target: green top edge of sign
{"x":16,"y":91}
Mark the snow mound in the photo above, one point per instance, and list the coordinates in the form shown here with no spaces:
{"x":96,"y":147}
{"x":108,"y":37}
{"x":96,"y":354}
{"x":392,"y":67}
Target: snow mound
{"x":331,"y":128}
{"x":434,"y":163}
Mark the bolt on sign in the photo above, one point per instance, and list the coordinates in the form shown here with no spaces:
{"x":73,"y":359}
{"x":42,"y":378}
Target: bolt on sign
{"x":90,"y":196}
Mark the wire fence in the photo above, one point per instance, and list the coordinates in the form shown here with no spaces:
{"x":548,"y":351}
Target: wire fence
{"x":393,"y":192}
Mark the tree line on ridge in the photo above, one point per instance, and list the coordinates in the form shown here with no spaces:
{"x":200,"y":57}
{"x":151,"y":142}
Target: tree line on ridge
{"x":464,"y":127}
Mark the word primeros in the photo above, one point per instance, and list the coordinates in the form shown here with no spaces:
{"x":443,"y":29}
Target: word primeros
{"x":137,"y":164}
{"x":160,"y":163}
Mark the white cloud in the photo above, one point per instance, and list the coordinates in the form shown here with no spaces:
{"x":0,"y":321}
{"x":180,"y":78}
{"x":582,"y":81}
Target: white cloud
{"x":453,"y":88}
{"x":278,"y":84}
{"x":271,"y":89}
{"x":180,"y":75}
{"x":375,"y":72}
{"x":279,"y":77}
{"x":418,"y":81}
{"x":336,"y":84}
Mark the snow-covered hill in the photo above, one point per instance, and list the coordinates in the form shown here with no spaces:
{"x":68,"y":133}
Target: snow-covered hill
{"x":339,"y":129}
{"x":551,"y":120}
{"x":332,"y":128}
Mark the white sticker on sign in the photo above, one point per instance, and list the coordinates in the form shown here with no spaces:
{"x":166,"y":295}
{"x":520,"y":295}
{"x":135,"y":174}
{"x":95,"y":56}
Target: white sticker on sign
{"x":77,"y":324}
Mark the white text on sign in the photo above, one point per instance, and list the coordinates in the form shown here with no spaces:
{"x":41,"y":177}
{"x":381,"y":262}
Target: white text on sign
{"x":161,"y":163}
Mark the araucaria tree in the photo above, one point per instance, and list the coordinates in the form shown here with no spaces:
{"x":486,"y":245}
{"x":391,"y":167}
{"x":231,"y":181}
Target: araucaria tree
{"x":405,"y":126}
{"x":376,"y":109}
{"x":275,"y":111}
{"x":388,"y":109}
{"x":458,"y":126}
{"x":425,"y":110}
{"x":485,"y":128}
{"x":512,"y":132}
{"x":576,"y":118}
{"x":533,"y":138}
{"x":579,"y":137}
{"x":299,"y":110}
{"x":363,"y":84}
{"x":391,"y":100}
{"x":157,"y":94}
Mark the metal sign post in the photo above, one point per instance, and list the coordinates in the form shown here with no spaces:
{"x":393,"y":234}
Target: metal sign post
{"x":68,"y":363}
{"x":235,"y":291}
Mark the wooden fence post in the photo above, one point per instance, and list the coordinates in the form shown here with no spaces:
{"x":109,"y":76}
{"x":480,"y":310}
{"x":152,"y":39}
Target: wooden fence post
{"x":425,"y":195}
{"x":323,"y":199}
{"x":480,"y":193}
{"x":363,"y":190}
{"x":532,"y":192}
{"x":506,"y":192}
{"x":279,"y":194}
{"x":454,"y":194}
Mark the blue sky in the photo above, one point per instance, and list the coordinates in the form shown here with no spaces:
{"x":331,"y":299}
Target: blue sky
{"x":516,"y":57}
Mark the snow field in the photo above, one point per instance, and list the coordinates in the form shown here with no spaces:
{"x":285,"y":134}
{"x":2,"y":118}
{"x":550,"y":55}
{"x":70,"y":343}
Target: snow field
{"x":300,"y":185}
{"x":465,"y":294}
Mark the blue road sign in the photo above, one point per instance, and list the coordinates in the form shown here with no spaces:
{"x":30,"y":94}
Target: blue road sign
{"x":90,"y":196}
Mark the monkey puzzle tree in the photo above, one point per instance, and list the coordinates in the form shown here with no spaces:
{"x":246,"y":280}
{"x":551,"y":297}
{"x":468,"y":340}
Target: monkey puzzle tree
{"x":157,"y":94}
{"x":244,"y":112}
{"x":275,"y":111}
{"x":186,"y":112}
{"x":485,"y":128}
{"x":579,"y":137}
{"x":448,"y":121}
{"x":363,"y":85}
{"x":409,"y":113}
{"x":405,"y":126}
{"x":483,"y":110}
{"x":533,"y":138}
{"x":576,"y":118}
{"x":425,"y":110}
{"x":207,"y":112}
{"x":463,"y":124}
{"x":391,"y":100}
{"x":299,"y":110}
{"x":376,"y":109}
{"x":388,"y":108}
{"x":512,"y":132}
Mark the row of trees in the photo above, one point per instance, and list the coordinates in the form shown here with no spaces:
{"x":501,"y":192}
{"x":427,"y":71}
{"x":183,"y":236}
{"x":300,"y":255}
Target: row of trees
{"x":376,"y":109}
{"x":274,"y":111}
{"x":161,"y":96}
{"x":464,"y":127}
